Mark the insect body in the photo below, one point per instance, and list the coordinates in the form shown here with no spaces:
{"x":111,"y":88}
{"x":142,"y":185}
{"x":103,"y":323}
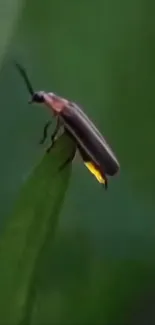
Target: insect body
{"x":97,"y":156}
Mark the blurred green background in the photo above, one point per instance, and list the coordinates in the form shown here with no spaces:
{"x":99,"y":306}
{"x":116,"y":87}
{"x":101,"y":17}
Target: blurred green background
{"x":100,"y":54}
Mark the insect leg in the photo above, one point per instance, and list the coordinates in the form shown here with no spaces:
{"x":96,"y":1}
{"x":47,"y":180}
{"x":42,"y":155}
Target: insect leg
{"x":45,"y":132}
{"x":68,"y":160}
{"x":53,"y":136}
{"x":106,"y":183}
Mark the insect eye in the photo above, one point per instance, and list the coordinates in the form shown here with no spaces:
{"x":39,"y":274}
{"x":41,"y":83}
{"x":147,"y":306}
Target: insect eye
{"x":38,"y":98}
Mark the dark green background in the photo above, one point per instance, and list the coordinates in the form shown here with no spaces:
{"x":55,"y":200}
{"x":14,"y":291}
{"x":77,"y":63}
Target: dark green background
{"x":100,"y":54}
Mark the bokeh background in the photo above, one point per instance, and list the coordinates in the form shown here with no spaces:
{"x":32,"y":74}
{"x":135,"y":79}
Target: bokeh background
{"x":100,"y":54}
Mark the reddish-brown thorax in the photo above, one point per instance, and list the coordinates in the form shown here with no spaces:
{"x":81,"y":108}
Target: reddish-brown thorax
{"x":56,"y":103}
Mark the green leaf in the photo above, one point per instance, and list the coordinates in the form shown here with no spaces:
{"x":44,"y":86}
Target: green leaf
{"x":35,"y":215}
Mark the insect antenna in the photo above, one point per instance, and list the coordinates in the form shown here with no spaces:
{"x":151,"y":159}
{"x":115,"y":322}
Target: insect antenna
{"x":25,"y":77}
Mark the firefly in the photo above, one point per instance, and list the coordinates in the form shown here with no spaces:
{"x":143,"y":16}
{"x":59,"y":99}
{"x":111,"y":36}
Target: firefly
{"x":95,"y":152}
